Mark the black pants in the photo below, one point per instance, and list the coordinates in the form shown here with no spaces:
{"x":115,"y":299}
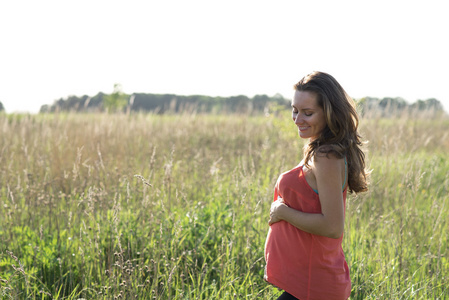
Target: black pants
{"x":287,"y":296}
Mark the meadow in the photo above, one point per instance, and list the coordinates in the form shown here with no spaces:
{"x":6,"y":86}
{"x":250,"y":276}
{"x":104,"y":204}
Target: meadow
{"x":144,"y":206}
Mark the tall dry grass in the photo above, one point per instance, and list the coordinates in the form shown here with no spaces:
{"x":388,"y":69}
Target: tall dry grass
{"x":176,"y":206}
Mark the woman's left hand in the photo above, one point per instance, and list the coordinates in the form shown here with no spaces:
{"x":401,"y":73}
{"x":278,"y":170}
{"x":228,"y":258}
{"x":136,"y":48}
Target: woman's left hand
{"x":276,"y":207}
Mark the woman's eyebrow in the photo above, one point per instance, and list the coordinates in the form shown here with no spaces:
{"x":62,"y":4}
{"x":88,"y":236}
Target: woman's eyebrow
{"x":307,"y":108}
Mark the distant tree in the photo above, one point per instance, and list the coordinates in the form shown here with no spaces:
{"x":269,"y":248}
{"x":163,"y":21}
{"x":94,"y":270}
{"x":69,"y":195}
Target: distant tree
{"x":45,"y":108}
{"x":238,"y":104}
{"x":152,"y":102}
{"x":366,"y":104}
{"x":428,"y":104}
{"x":393,"y":103}
{"x":116,"y":101}
{"x":1,"y":107}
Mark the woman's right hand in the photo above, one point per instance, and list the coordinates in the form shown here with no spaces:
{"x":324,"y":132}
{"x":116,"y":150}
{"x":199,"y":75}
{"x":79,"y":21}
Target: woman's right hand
{"x":276,"y":211}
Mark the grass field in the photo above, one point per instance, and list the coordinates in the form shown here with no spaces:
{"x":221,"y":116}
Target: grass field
{"x":176,"y":206}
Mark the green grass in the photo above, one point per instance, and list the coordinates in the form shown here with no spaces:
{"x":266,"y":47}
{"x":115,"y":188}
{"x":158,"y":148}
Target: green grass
{"x":176,"y":207}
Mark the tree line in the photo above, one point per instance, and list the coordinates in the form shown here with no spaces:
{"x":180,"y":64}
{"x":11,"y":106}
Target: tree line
{"x":164,"y":103}
{"x":391,"y":107}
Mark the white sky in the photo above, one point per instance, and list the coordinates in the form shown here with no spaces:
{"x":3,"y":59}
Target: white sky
{"x":53,"y":49}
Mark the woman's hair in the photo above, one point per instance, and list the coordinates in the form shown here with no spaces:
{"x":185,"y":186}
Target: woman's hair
{"x":340,"y":136}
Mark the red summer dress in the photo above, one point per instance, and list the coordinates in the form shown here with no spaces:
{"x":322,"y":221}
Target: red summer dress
{"x":308,"y":266}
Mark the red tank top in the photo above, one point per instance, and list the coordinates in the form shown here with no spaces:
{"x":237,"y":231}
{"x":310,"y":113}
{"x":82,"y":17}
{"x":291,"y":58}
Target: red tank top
{"x":308,"y":266}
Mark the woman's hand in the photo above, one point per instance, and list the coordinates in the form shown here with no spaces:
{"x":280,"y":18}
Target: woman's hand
{"x":275,"y":210}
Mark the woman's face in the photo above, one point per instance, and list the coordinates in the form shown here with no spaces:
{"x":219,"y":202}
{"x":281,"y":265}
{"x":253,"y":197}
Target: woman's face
{"x":307,"y":115}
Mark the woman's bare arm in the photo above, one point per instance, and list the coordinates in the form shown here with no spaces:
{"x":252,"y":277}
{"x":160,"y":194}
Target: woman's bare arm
{"x":330,"y":223}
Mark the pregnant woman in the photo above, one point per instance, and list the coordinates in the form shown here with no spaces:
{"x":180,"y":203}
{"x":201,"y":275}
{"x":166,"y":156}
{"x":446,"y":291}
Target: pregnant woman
{"x":303,"y":251}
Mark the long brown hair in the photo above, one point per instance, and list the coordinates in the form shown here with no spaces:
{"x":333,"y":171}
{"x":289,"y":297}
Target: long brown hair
{"x":340,"y":136}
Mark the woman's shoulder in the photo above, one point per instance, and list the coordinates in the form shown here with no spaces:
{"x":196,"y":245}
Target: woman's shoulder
{"x":328,"y":157}
{"x":329,"y":151}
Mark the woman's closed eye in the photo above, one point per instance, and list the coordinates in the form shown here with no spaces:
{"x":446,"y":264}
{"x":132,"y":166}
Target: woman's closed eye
{"x":305,"y":113}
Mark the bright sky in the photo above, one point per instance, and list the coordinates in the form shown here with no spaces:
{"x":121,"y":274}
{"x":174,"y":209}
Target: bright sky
{"x":53,"y":49}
